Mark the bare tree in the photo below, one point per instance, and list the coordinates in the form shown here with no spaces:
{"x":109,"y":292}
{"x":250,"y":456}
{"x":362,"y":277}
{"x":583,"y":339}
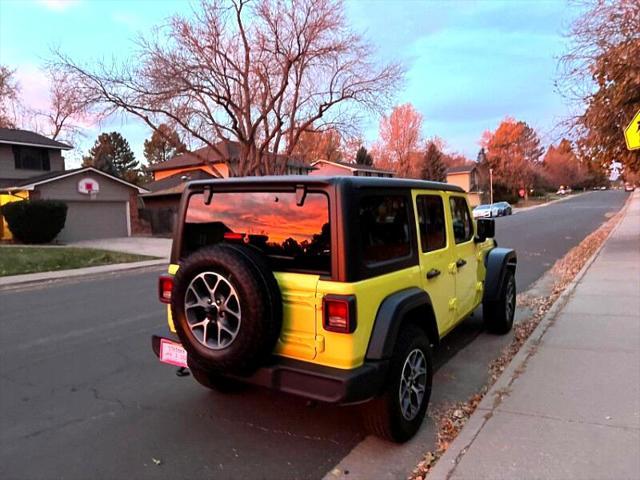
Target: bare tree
{"x":9,"y":91}
{"x":68,"y":108}
{"x":259,"y":72}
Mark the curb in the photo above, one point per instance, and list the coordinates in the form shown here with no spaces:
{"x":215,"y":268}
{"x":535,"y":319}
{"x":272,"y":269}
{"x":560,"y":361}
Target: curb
{"x":41,"y":278}
{"x":447,"y":464}
{"x":546,"y":204}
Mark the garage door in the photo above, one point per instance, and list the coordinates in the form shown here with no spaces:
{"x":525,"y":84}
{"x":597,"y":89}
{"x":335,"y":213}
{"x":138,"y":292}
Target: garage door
{"x":90,"y":220}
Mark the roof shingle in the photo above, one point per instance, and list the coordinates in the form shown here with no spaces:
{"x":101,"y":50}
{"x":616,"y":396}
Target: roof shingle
{"x":14,"y":136}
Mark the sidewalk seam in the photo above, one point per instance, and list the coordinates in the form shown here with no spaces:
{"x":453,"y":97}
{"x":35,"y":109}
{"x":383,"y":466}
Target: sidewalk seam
{"x":566,"y":420}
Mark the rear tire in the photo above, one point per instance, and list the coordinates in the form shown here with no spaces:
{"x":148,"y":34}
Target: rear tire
{"x":226,"y":309}
{"x":498,"y":315}
{"x":389,"y":416}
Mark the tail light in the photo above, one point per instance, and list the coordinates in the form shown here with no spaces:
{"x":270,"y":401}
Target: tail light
{"x":165,"y":285}
{"x":234,"y":236}
{"x":339,"y":313}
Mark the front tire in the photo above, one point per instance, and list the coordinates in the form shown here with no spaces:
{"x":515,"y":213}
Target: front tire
{"x":498,"y":315}
{"x":398,"y":413}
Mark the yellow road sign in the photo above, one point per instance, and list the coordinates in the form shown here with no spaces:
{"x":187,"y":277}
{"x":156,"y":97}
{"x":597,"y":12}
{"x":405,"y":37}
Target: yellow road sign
{"x":632,"y":133}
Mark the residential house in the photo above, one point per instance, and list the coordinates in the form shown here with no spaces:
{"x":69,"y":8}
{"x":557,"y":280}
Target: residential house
{"x":327,"y":168}
{"x":466,"y":176}
{"x":99,"y":205}
{"x":169,"y":178}
{"x":215,"y":162}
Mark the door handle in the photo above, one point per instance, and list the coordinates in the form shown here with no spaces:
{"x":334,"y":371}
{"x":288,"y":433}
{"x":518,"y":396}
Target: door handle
{"x":432,"y":273}
{"x":461,"y":263}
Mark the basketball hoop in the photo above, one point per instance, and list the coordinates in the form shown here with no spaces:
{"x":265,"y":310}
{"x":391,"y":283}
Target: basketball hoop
{"x":89,"y":186}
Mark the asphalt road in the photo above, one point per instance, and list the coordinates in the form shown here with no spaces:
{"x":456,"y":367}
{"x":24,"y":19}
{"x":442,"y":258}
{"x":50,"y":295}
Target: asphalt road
{"x":543,"y":235}
{"x":82,"y":396}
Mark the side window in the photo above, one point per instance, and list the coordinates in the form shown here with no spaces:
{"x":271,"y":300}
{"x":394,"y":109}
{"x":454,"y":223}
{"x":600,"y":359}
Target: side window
{"x":384,"y":227}
{"x":433,"y":231}
{"x":462,"y":224}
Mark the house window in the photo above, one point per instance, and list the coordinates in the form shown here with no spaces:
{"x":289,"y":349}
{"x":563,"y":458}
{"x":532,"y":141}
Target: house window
{"x":31,"y":158}
{"x":473,"y":181}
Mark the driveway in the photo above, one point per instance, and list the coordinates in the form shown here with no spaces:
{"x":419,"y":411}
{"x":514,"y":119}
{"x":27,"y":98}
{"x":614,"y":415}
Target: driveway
{"x":155,"y":247}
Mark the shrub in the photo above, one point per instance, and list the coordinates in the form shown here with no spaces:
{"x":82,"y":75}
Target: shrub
{"x":35,"y":221}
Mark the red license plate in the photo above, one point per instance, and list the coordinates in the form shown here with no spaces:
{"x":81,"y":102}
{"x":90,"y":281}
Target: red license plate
{"x":173,"y":353}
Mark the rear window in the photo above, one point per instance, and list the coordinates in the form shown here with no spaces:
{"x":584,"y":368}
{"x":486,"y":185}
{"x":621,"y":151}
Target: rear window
{"x":294,"y":238}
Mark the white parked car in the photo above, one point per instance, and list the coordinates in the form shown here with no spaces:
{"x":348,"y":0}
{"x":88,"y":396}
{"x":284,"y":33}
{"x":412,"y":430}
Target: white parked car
{"x":482,"y":211}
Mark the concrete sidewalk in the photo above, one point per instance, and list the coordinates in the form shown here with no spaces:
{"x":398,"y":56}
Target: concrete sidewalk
{"x":568,"y":405}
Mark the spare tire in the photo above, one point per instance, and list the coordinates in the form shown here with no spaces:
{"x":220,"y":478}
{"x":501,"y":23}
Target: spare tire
{"x":226,"y":308}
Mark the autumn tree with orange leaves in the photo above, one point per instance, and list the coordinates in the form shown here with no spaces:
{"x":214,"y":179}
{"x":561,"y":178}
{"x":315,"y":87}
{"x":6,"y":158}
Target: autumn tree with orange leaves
{"x":400,"y":138}
{"x":601,"y":71}
{"x":320,"y":145}
{"x":562,"y":167}
{"x":514,"y":153}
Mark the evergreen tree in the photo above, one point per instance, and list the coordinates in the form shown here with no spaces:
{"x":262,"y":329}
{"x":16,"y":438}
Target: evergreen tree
{"x":363,"y":157}
{"x":433,"y":166}
{"x":111,"y":154}
{"x":163,"y":145}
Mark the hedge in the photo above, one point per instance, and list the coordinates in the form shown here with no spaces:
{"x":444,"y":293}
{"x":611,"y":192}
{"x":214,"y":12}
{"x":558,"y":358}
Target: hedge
{"x":35,"y":221}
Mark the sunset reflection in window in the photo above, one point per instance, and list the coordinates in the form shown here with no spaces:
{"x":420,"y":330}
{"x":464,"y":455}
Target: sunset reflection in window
{"x":295,"y":237}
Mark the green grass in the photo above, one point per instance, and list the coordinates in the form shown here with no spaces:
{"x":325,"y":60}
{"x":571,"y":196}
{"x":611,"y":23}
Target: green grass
{"x":19,"y":260}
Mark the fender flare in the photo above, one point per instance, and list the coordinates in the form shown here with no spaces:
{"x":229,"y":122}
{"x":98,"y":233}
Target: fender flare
{"x":497,"y":262}
{"x":391,"y":313}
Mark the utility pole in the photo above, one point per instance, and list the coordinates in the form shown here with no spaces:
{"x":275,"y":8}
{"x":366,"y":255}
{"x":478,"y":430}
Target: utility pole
{"x":491,"y":185}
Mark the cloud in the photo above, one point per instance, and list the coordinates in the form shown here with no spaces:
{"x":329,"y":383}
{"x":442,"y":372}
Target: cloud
{"x":34,"y":86}
{"x":58,"y":5}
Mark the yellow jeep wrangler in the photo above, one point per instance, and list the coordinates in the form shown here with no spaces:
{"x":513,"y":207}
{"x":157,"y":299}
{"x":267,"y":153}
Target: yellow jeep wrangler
{"x":331,"y":288}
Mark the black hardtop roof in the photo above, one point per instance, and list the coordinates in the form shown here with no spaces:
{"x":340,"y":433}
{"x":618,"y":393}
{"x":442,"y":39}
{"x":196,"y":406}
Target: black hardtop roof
{"x":357,"y":182}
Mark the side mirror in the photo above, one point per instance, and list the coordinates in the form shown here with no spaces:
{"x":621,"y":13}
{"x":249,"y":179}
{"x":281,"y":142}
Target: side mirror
{"x":486,"y":229}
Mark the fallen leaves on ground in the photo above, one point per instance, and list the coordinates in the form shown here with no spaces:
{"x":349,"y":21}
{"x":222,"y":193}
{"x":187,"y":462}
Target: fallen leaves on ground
{"x":451,"y":419}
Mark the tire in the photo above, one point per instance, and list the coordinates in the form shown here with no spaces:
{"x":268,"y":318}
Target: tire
{"x":383,"y":416}
{"x":215,"y":382}
{"x":498,"y":315}
{"x":261,"y":268}
{"x":226,"y":309}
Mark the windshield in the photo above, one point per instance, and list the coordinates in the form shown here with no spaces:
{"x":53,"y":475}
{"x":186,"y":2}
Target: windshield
{"x":293,"y":237}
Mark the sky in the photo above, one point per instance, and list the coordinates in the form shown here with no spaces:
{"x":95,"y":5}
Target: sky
{"x":469,"y":63}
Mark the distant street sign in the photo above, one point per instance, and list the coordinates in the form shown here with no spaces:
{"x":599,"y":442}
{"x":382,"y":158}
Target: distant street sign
{"x":615,"y":168}
{"x":632,"y":133}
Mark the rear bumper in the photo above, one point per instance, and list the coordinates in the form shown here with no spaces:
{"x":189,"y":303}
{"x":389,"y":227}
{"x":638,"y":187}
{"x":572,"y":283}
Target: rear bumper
{"x":317,"y":382}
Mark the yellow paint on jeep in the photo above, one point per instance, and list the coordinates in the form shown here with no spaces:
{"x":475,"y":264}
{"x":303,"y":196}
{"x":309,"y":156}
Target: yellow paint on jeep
{"x":347,"y":351}
{"x":173,"y":269}
{"x":303,"y":336}
{"x":298,"y":338}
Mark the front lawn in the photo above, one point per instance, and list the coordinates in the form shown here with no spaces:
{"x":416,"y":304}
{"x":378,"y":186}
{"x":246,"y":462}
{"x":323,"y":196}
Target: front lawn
{"x":19,"y":260}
